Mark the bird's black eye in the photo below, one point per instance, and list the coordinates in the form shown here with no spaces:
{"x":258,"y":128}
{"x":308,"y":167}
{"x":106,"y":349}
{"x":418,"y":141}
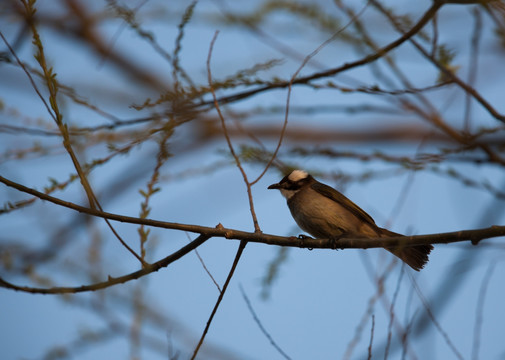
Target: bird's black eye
{"x":292,"y":185}
{"x":289,"y":184}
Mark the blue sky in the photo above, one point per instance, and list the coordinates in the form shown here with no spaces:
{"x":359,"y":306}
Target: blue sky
{"x":320,"y":297}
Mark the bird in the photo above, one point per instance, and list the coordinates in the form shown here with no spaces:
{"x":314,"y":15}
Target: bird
{"x":325,"y":213}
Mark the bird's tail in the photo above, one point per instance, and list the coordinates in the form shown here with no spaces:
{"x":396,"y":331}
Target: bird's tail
{"x":414,"y":256}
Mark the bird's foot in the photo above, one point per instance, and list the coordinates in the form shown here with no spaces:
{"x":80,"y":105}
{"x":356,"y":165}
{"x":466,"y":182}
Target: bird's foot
{"x":333,"y":241}
{"x":301,"y":240}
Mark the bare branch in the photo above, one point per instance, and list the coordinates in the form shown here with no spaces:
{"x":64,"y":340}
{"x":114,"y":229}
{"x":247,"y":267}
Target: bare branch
{"x":260,"y":325}
{"x":447,"y":72}
{"x":205,"y":266}
{"x":111,"y":281}
{"x":371,"y":338}
{"x":427,"y":16}
{"x":228,"y":140}
{"x":475,"y":236}
{"x":480,"y":310}
{"x":240,"y":250}
{"x":437,"y":324}
{"x":52,"y":86}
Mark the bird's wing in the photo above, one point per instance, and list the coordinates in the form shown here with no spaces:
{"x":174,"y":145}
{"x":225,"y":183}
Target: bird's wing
{"x":334,"y":195}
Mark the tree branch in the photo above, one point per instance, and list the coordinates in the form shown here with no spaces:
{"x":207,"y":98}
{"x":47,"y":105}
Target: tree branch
{"x":146,"y":270}
{"x":475,"y":235}
{"x":427,"y":16}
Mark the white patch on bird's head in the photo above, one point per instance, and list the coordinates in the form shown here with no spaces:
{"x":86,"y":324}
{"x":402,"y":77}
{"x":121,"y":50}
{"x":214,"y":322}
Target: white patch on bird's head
{"x":297,"y":175}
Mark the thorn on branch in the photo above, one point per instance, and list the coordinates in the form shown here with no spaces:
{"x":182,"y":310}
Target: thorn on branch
{"x":475,"y":241}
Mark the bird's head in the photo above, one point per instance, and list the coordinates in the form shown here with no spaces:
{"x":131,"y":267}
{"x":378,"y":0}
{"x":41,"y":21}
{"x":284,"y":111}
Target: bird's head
{"x":292,"y":183}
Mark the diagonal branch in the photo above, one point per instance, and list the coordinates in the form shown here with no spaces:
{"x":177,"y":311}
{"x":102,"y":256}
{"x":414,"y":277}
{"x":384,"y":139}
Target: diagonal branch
{"x":52,"y":86}
{"x":220,"y":297}
{"x":257,"y":229}
{"x":290,"y":88}
{"x":226,"y":135}
{"x":427,"y":16}
{"x":111,"y":280}
{"x":260,"y":325}
{"x":442,"y":68}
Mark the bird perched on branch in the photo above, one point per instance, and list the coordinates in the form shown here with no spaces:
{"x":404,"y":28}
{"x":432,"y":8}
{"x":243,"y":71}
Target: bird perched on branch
{"x":325,"y":213}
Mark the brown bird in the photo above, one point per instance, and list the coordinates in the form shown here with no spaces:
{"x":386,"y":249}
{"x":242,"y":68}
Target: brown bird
{"x":325,"y":213}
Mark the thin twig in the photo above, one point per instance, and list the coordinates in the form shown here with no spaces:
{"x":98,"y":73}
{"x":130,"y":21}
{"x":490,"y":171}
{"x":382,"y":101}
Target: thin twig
{"x":151,"y":187}
{"x":473,"y":65}
{"x":434,"y":40}
{"x":260,"y":325}
{"x":446,"y":71}
{"x":228,"y":140}
{"x":368,"y":312}
{"x":434,"y":117}
{"x":111,"y":280}
{"x":205,"y":266}
{"x":30,"y":78}
{"x":53,"y":111}
{"x":479,"y":310}
{"x":392,"y":313}
{"x":405,"y":337}
{"x":371,"y":338}
{"x":427,"y":307}
{"x":379,"y":282}
{"x":118,"y":32}
{"x":290,"y":86}
{"x":220,"y":298}
{"x":243,"y":243}
{"x":427,"y":16}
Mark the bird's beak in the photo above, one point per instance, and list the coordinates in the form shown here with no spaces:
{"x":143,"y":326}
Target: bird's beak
{"x":275,"y":186}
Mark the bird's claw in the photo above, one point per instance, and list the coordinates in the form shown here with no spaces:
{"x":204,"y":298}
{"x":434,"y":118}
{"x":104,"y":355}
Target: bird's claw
{"x":333,"y":241}
{"x":301,"y":240}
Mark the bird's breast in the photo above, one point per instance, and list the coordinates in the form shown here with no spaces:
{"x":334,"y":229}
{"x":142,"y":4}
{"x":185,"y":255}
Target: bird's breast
{"x":322,"y":217}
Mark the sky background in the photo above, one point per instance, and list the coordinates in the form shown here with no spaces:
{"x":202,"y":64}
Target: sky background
{"x":320,"y":299}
